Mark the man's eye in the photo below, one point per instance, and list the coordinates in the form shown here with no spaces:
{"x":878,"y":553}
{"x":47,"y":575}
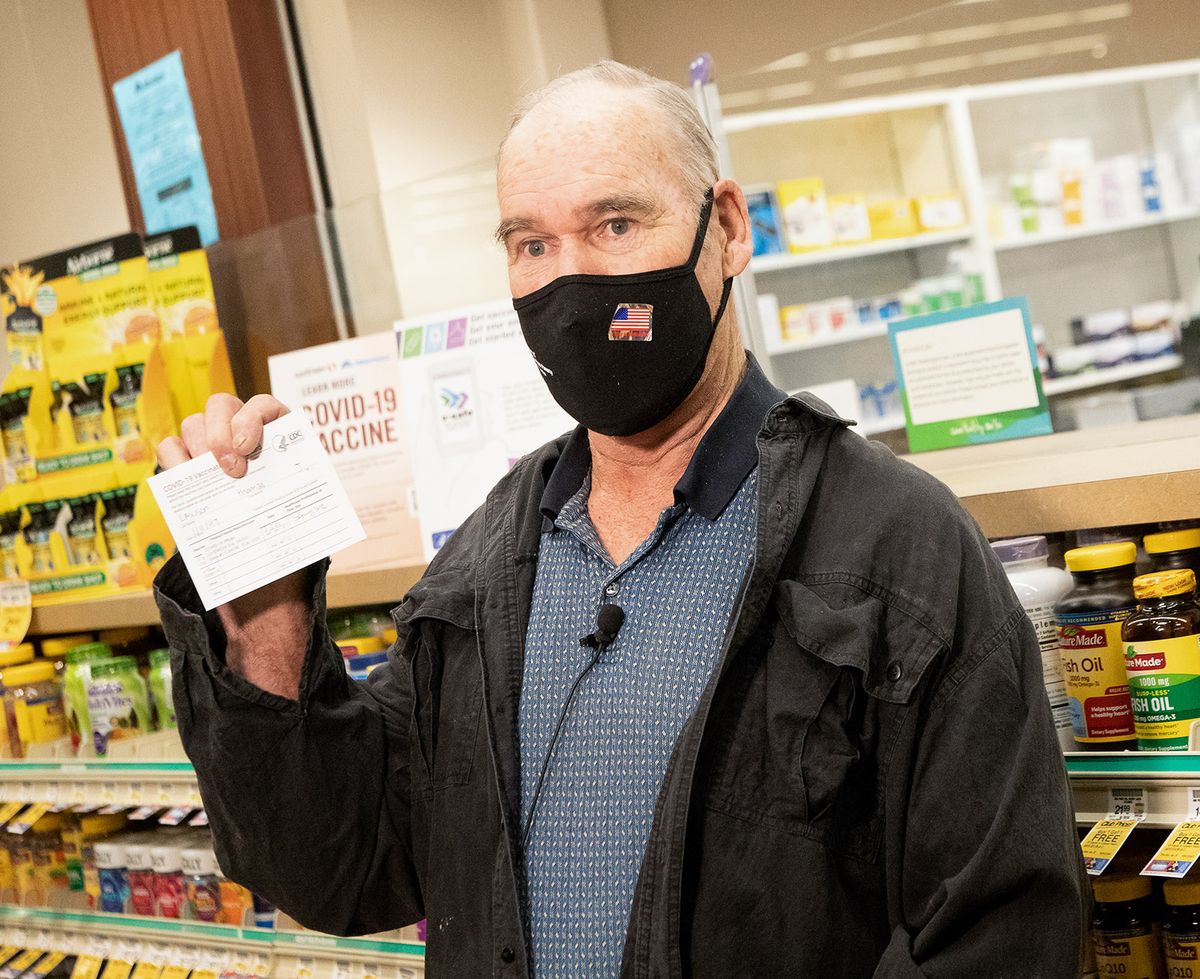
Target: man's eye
{"x":618,"y":226}
{"x":535,"y":249}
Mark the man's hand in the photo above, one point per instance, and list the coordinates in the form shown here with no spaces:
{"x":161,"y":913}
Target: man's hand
{"x":267,"y":629}
{"x":229,"y":429}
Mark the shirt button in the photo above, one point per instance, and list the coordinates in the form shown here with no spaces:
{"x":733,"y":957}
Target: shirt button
{"x":507,"y":955}
{"x":895,"y":671}
{"x":612,"y":589}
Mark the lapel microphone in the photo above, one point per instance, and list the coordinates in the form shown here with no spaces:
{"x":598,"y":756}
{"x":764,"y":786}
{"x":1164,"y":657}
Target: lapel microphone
{"x":609,"y":620}
{"x":608,"y":624}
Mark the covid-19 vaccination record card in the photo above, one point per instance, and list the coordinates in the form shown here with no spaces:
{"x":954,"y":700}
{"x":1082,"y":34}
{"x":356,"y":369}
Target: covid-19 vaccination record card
{"x":239,"y":534}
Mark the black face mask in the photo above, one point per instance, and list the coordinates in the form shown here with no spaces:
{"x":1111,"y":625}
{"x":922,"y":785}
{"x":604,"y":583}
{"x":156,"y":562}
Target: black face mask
{"x":619,"y":353}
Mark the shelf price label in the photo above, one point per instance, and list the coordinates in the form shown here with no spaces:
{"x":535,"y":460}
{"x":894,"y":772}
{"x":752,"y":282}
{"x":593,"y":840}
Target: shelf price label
{"x":8,"y":810}
{"x":87,"y":967}
{"x":117,"y":969}
{"x":1127,"y":803}
{"x":25,"y":821}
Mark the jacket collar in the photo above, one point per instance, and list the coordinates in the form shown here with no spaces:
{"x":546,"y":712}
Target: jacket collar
{"x":724,"y":458}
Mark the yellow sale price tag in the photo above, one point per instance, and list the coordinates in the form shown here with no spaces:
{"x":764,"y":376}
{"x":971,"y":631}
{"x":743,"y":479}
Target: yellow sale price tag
{"x":1104,"y":840}
{"x":87,"y":967}
{"x":1178,"y":854}
{"x":147,"y":970}
{"x":117,"y":969}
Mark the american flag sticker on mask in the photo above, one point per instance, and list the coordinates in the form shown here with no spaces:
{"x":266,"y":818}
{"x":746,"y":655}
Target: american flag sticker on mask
{"x":632,"y":321}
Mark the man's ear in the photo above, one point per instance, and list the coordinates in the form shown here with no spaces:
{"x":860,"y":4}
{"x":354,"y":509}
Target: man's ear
{"x":729,"y":205}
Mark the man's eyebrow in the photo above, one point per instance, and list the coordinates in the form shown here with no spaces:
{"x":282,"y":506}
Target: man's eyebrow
{"x":510,"y":226}
{"x":636,"y":205}
{"x":633,"y":204}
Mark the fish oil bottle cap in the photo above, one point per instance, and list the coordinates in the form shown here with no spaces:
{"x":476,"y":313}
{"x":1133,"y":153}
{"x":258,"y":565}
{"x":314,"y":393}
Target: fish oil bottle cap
{"x":1173,"y":540}
{"x":1121,"y":888}
{"x":1101,"y":557}
{"x":1181,"y":893}
{"x":1164,"y":584}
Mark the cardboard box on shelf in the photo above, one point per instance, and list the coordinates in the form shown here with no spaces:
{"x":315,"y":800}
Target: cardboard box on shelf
{"x":805,"y":212}
{"x":893,"y":218}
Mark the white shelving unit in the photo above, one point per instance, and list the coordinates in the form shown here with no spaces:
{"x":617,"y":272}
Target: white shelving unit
{"x":964,"y":140}
{"x":1113,"y":375}
{"x":843,"y":253}
{"x":1054,"y":386}
{"x":1091,"y":230}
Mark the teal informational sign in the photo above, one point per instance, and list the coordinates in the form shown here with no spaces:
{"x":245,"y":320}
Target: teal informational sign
{"x":156,"y":114}
{"x":969,"y":376}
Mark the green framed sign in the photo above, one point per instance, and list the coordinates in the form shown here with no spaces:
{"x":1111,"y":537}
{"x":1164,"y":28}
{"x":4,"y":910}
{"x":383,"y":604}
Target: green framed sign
{"x":969,"y":376}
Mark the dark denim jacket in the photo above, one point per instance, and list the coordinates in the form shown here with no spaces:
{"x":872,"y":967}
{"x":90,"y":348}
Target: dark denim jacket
{"x":870,"y":786}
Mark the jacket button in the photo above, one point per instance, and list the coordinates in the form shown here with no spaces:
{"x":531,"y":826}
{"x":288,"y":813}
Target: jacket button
{"x":507,"y":955}
{"x":895,"y":671}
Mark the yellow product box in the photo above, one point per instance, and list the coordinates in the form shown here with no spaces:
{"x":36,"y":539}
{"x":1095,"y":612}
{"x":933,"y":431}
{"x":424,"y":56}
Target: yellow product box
{"x":893,"y":218}
{"x":850,"y":219}
{"x":805,"y":211}
{"x":21,"y":308}
{"x":1072,"y":196}
{"x":12,"y":502}
{"x":26,"y":396}
{"x":940,"y":212}
{"x":93,"y":298}
{"x":194,"y":350}
{"x":91,"y":532}
{"x":795,"y":324}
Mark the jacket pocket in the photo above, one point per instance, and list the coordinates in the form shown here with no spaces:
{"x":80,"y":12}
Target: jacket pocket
{"x":436,"y":636}
{"x":802,"y":722}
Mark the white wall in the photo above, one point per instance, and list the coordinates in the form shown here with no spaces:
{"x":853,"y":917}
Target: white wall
{"x":412,"y":101}
{"x":59,"y":180}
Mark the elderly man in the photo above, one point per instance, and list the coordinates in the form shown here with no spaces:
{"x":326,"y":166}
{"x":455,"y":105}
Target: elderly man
{"x":710,"y":687}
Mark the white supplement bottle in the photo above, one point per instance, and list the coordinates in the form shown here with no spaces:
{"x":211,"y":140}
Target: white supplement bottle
{"x":1040,"y":587}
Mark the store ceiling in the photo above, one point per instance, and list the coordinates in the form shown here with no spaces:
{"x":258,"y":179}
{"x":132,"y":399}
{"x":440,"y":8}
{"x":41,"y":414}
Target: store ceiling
{"x":776,"y":53}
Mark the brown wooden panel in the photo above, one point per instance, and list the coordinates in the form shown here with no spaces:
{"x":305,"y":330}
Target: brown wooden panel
{"x":236,"y":66}
{"x":269,"y":269}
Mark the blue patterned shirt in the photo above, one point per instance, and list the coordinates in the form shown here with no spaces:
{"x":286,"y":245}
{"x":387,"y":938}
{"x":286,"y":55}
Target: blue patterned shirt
{"x":677,"y":589}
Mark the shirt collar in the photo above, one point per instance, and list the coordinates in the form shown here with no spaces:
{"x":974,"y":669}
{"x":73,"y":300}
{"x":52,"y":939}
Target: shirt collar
{"x":724,"y":458}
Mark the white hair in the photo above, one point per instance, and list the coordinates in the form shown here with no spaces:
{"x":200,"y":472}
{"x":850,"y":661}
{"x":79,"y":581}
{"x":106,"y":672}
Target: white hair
{"x":695,"y":153}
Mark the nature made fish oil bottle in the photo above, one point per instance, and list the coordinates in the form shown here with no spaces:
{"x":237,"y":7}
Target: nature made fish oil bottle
{"x":1124,"y":928}
{"x":1181,"y":930}
{"x":1162,"y":659}
{"x":1175,"y":549}
{"x":1040,"y":588}
{"x":1089,"y":638}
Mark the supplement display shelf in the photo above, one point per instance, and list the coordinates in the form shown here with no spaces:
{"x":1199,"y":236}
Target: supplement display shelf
{"x":1088,"y":230}
{"x":288,"y":951}
{"x":376,"y":586}
{"x":1053,"y":386}
{"x":101,"y":782}
{"x":957,"y":140}
{"x":1167,"y":779}
{"x":1111,"y":375}
{"x":842,"y":253}
{"x":1147,"y":472}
